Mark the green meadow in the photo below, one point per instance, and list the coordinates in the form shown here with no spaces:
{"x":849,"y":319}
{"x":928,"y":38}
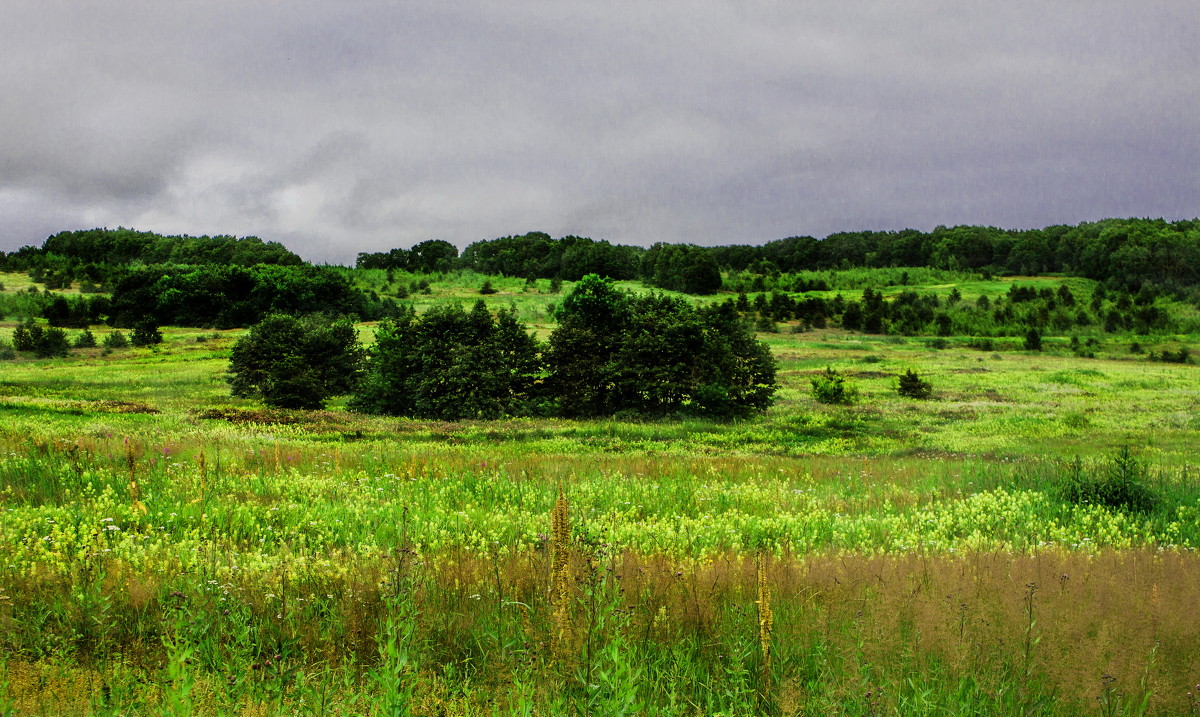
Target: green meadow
{"x":166,"y":548}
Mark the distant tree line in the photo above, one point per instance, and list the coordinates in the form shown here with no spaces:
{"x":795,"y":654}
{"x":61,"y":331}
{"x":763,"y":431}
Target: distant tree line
{"x":222,"y":282}
{"x":1124,"y":253}
{"x":98,"y":256}
{"x":612,"y":353}
{"x":679,"y":267}
{"x":231,"y":296}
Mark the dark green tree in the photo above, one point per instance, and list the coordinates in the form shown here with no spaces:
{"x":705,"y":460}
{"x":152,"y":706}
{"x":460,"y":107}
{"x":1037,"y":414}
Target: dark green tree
{"x":1033,"y":340}
{"x":85,"y":340}
{"x":451,"y":364}
{"x":654,"y":356}
{"x":295,"y":362}
{"x":913,"y":386}
{"x":44,"y":342}
{"x":146,"y":333}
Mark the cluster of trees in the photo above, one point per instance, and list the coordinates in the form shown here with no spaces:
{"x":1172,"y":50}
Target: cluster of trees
{"x":52,"y":341}
{"x":536,"y":256}
{"x":612,"y":354}
{"x":679,"y":267}
{"x":424,"y":258}
{"x":218,"y":281}
{"x":451,"y":364}
{"x":1126,"y":253}
{"x":1022,"y":308}
{"x":98,"y":256}
{"x":232,"y":296}
{"x":41,"y":341}
{"x":76,"y":311}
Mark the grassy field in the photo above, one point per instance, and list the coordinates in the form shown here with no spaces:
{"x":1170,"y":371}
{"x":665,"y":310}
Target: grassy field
{"x":168,"y":549}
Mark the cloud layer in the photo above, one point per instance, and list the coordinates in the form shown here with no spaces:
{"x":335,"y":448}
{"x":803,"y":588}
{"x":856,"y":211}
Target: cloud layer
{"x":361,"y":126}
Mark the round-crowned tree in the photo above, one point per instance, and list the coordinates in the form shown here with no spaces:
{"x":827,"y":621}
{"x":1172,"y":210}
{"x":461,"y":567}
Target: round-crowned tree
{"x":654,"y":355}
{"x":293,"y":362}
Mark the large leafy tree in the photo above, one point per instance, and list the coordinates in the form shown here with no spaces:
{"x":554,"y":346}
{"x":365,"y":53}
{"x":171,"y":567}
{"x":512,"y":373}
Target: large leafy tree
{"x":451,"y":364}
{"x":654,"y":355}
{"x":591,"y":320}
{"x":295,"y":362}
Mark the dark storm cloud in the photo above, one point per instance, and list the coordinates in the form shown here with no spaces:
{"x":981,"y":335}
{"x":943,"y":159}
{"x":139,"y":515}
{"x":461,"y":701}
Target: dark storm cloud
{"x":340,"y":127}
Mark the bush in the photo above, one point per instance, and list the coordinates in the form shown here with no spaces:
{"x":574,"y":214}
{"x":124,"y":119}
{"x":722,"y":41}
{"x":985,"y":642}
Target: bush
{"x":614,"y":353}
{"x":912,"y":386}
{"x":1033,"y":340}
{"x":53,"y":343}
{"x":146,"y":333}
{"x":1180,"y":356}
{"x":833,"y":388}
{"x":487,"y":287}
{"x":115,"y":340}
{"x":27,"y":335}
{"x":86,"y":340}
{"x":766,"y":325}
{"x":44,"y":342}
{"x":1117,"y":484}
{"x":450,"y":364}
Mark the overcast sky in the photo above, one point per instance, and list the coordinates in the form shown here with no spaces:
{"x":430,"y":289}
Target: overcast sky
{"x":339,"y":127}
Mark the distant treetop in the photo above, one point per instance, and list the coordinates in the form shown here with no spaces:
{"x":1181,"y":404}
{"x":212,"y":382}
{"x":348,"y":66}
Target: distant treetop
{"x":124,"y":246}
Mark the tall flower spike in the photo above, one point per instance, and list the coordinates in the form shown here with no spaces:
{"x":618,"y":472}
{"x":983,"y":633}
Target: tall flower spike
{"x":560,"y":538}
{"x":765,"y":619}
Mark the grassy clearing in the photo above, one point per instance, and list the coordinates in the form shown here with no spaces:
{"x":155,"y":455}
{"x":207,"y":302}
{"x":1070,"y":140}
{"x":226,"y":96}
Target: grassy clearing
{"x":166,"y":548}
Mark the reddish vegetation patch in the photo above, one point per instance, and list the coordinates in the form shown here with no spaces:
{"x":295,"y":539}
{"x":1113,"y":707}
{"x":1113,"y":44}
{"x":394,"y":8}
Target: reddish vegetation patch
{"x":243,"y":415}
{"x":123,"y":407}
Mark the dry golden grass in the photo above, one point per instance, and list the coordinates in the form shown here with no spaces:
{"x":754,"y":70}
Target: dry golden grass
{"x":1129,"y":614}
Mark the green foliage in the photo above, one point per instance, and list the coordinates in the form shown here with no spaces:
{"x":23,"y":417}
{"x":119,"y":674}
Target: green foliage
{"x":833,"y":388}
{"x":1181,"y":355}
{"x":1033,"y":340}
{"x":44,"y":342}
{"x":426,"y":257}
{"x":27,"y":335}
{"x":537,"y":256}
{"x":229,"y":296}
{"x":295,"y":362}
{"x":115,"y":340}
{"x":487,"y":288}
{"x":1119,"y":483}
{"x":681,"y":267}
{"x":913,"y":386}
{"x":766,"y":325}
{"x":146,"y":333}
{"x":653,"y":355}
{"x":451,"y":364}
{"x":85,"y":340}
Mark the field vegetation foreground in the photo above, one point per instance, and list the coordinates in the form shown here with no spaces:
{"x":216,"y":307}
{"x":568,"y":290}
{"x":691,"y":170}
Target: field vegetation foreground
{"x":1023,"y":542}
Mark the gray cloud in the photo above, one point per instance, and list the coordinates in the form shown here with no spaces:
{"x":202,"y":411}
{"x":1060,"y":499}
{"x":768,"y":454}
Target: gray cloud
{"x":358,"y":126}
